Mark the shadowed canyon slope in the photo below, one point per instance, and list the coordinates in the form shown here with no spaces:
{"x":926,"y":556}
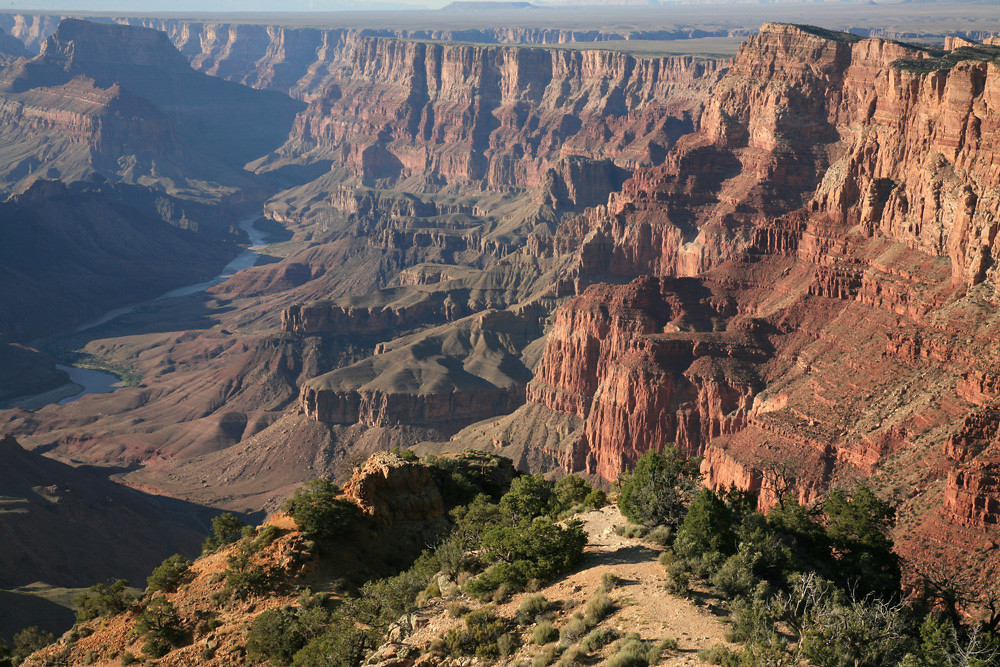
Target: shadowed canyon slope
{"x":76,"y":518}
{"x":785,"y":263}
{"x":123,"y":102}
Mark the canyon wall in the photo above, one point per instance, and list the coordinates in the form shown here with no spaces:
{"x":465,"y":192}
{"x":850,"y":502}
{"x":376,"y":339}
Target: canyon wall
{"x":495,"y":117}
{"x":838,"y":193}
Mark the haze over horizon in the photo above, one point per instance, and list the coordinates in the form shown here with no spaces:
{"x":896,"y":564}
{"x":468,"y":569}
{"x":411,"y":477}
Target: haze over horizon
{"x":248,"y":6}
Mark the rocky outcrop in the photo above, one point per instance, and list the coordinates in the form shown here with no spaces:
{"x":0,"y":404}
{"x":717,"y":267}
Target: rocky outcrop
{"x":972,"y":495}
{"x":391,"y":490}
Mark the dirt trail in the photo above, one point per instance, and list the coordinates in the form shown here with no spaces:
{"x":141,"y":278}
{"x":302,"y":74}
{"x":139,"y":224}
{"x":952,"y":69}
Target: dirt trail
{"x":642,"y":604}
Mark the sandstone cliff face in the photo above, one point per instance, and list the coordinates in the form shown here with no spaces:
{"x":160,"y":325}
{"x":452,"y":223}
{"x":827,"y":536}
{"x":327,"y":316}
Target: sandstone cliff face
{"x":495,"y":116}
{"x":631,"y":361}
{"x":842,"y":191}
{"x":123,"y":102}
{"x":867,"y":132}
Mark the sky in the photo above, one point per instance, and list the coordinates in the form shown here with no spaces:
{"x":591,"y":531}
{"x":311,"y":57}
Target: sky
{"x":140,"y":6}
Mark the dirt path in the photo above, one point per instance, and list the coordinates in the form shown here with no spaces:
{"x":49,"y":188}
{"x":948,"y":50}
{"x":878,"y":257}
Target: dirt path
{"x":644,"y":606}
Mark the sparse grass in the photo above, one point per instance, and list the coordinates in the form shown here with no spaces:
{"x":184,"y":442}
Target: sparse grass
{"x":598,"y":607}
{"x":546,"y":656}
{"x":669,"y":644}
{"x":630,"y":530}
{"x":714,"y":655}
{"x":660,"y":535}
{"x":574,"y":630}
{"x":598,"y":639}
{"x":532,"y":607}
{"x":544,"y":633}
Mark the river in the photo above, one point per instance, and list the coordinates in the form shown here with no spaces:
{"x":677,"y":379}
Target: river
{"x":85,"y":381}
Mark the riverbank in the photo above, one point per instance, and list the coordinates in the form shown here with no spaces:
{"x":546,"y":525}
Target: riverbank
{"x":84,"y":380}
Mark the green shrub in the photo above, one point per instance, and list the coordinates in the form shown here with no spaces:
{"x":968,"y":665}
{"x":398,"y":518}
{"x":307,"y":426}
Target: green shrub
{"x":574,"y":494}
{"x":574,"y":630}
{"x":274,"y":636}
{"x":598,"y":607}
{"x":226,"y":529}
{"x":457,"y":609}
{"x":432,"y":591}
{"x":658,"y":488}
{"x":598,"y":639}
{"x":574,"y":655}
{"x":29,"y":640}
{"x":530,"y":496}
{"x":859,"y":528}
{"x":168,"y":574}
{"x":155,"y":647}
{"x":279,"y":634}
{"x":544,"y":632}
{"x":342,"y":644}
{"x":103,"y":600}
{"x":531,"y":607}
{"x":528,"y":550}
{"x":633,"y":652}
{"x":480,"y":637}
{"x":243,"y":578}
{"x":507,"y":645}
{"x":159,"y":620}
{"x":127,"y":659}
{"x":735,"y":578}
{"x":596,"y":499}
{"x":621,"y":659}
{"x":678,"y":579}
{"x":316,"y":508}
{"x":715,"y":655}
{"x":546,"y":656}
{"x":609,"y":582}
{"x":752,"y":619}
{"x":669,"y":644}
{"x":707,"y":527}
{"x":660,"y":535}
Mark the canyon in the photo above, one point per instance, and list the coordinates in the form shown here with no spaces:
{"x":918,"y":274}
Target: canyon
{"x":784,"y":262}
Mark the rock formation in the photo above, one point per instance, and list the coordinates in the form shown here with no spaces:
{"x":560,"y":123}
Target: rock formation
{"x":835,"y":214}
{"x":785,"y":264}
{"x":391,"y":490}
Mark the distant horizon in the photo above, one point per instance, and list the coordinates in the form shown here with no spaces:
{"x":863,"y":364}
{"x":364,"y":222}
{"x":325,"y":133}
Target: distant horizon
{"x":328,"y":6}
